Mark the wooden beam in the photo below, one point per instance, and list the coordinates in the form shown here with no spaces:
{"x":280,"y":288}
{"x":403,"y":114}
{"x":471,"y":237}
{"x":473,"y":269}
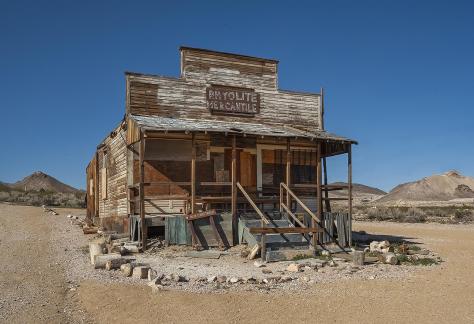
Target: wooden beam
{"x":349,"y":183}
{"x":288,"y":171}
{"x":292,"y":215}
{"x":284,"y":230}
{"x":234,"y":192}
{"x":257,"y":210}
{"x":141,"y":192}
{"x":193,"y":174}
{"x":313,"y":216}
{"x":319,"y":211}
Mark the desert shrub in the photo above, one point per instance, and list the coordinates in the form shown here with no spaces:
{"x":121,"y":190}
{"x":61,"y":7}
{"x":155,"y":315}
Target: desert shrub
{"x":397,"y":214}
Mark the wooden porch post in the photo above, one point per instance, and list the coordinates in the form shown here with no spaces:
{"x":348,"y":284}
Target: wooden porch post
{"x":193,"y":173}
{"x":349,"y":183}
{"x":141,"y":191}
{"x":234,"y":191}
{"x":319,"y":212}
{"x":288,"y":172}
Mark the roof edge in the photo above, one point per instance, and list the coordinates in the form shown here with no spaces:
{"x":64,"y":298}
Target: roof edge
{"x":241,"y":56}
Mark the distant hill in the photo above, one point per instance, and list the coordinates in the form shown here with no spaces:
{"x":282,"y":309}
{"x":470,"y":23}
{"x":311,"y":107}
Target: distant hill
{"x":358,"y":189}
{"x":41,"y":189}
{"x":39,"y":180}
{"x":4,"y":187}
{"x":440,"y":187}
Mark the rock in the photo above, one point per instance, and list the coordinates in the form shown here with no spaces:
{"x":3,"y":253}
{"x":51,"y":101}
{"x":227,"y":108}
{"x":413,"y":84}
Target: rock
{"x":274,"y":278}
{"x":332,"y":263}
{"x":152,"y":274}
{"x":358,"y":258}
{"x":265,"y":281}
{"x":211,"y":278}
{"x":234,"y":280}
{"x":390,"y":258}
{"x":325,"y":253}
{"x":285,"y":279}
{"x":140,"y":272}
{"x":266,"y":271}
{"x":126,"y":269}
{"x":294,"y":267}
{"x":259,"y":264}
{"x":178,"y":278}
{"x":307,"y":268}
{"x":244,"y":253}
{"x":221,"y":279}
{"x":250,"y":280}
{"x":305,"y":279}
{"x":382,"y":246}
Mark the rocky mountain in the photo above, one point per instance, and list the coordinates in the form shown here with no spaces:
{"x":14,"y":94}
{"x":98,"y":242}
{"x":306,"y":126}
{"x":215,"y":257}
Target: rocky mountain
{"x":37,"y":181}
{"x":440,"y":187}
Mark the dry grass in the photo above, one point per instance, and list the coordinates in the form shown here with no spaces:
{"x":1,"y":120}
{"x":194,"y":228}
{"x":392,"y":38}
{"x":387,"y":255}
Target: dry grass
{"x":445,"y":214}
{"x":42,"y":197}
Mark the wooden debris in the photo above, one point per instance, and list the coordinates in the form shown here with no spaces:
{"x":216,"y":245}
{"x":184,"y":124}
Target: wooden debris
{"x":254,"y":252}
{"x":101,"y":259}
{"x":127,"y":269}
{"x":116,"y":263}
{"x":95,"y":248}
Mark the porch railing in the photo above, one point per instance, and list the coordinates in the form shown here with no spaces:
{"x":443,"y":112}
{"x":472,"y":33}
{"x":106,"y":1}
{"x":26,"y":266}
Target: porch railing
{"x":254,"y":206}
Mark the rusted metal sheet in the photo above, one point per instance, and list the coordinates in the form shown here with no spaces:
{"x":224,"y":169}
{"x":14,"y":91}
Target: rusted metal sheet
{"x":233,"y":101}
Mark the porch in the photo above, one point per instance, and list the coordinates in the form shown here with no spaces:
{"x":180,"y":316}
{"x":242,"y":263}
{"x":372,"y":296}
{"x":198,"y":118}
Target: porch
{"x":245,"y":172}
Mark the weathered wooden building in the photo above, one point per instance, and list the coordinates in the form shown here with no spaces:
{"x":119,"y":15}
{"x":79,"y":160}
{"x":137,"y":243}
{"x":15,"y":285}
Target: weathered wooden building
{"x":220,"y":137}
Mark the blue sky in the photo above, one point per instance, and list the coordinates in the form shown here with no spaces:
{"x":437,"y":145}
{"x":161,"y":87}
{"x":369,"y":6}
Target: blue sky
{"x":398,"y":75}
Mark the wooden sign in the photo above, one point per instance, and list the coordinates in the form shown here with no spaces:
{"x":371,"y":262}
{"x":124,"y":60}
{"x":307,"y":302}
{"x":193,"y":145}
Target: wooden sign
{"x":229,"y":100}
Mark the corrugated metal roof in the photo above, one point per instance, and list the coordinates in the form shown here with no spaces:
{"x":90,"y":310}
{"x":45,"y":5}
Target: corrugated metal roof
{"x":158,"y":123}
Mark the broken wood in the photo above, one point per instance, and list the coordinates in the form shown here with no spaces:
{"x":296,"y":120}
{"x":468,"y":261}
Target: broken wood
{"x":116,"y":263}
{"x":96,"y":248}
{"x":101,"y":259}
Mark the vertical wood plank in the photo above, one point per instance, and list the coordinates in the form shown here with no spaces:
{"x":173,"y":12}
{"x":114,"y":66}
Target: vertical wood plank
{"x":142,"y":193}
{"x":193,"y":174}
{"x":234,"y":191}
{"x":349,"y":183}
{"x":319,"y":212}
{"x":288,"y":172}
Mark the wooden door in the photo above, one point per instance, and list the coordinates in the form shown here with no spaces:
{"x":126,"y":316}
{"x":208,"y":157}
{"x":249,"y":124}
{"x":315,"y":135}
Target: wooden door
{"x":248,"y":169}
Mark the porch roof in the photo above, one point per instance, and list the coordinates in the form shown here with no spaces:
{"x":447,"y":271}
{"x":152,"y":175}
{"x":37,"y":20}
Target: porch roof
{"x":158,"y":123}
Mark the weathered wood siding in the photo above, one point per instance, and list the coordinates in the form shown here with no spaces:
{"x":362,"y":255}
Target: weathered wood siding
{"x":185,"y":97}
{"x":113,"y":206}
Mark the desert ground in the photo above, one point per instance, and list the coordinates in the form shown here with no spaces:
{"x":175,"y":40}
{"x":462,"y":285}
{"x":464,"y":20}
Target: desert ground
{"x":42,"y":260}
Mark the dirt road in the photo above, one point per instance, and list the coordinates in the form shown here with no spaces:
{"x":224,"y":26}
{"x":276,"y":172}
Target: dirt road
{"x":34,"y":286}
